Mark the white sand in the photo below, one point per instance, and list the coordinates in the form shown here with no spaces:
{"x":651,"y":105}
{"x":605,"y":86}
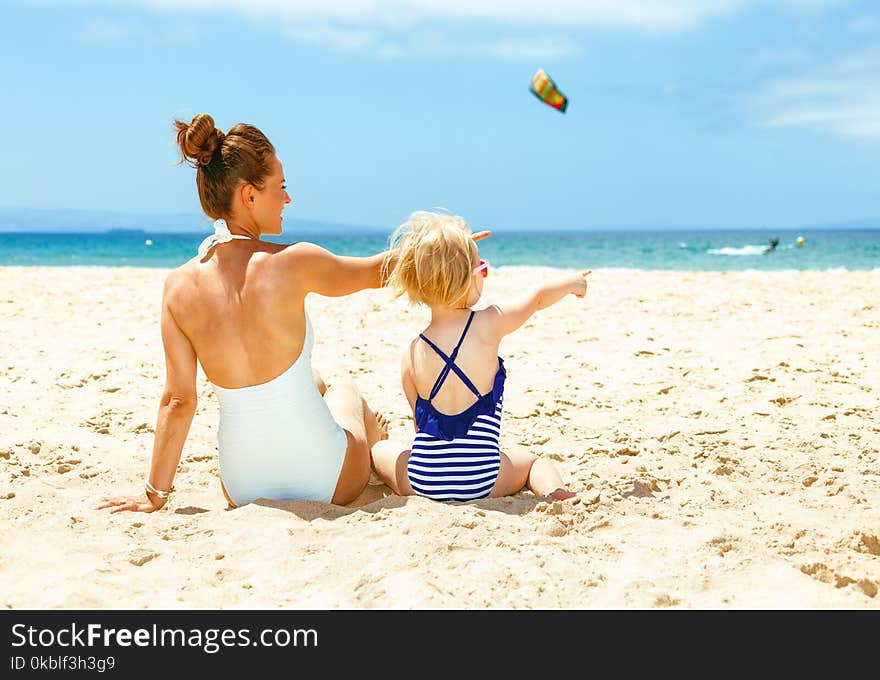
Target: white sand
{"x":721,"y":429}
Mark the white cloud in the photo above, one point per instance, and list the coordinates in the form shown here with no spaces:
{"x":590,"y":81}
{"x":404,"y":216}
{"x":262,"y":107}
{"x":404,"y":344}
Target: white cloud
{"x":98,"y":29}
{"x":865,"y":24}
{"x":104,"y":30}
{"x":848,"y":119}
{"x":656,"y":14}
{"x":842,"y":98}
{"x":338,"y":38}
{"x":396,"y":28}
{"x":548,"y":47}
{"x":425,"y":42}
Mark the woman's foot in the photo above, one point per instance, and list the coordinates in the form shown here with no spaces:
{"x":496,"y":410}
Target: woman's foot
{"x":376,"y":426}
{"x":383,"y":426}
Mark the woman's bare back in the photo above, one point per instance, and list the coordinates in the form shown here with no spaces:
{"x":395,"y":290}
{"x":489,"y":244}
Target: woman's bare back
{"x":242,"y":311}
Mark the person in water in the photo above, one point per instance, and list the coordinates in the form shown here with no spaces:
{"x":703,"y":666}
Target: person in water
{"x":452,"y":375}
{"x":773,"y":243}
{"x":238,"y":308}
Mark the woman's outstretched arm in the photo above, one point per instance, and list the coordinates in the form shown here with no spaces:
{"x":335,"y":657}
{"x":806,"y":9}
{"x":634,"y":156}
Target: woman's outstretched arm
{"x":319,"y":271}
{"x":325,"y":273}
{"x":176,"y":411}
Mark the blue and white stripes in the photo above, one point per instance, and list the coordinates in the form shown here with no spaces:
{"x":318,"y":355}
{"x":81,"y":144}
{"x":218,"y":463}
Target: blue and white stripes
{"x":460,"y":469}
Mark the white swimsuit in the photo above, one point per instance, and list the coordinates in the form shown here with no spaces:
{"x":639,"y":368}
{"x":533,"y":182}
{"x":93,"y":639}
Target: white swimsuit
{"x":278,"y":440}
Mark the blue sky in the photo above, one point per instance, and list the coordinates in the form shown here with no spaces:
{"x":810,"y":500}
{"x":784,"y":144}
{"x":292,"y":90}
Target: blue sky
{"x":690,"y":113}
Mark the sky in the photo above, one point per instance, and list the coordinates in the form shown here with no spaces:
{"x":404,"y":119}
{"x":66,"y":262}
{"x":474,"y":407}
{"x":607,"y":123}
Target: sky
{"x":682,"y":113}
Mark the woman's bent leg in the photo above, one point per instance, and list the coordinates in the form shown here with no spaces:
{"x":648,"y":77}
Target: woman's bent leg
{"x":362,"y":429}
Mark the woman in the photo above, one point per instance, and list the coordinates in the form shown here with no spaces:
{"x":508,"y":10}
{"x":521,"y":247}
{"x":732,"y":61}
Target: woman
{"x":238,"y":309}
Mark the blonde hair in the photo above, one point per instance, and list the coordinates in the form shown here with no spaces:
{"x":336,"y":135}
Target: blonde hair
{"x":435,"y":259}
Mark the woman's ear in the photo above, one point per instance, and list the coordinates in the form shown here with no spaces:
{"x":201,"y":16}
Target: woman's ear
{"x":247,"y":192}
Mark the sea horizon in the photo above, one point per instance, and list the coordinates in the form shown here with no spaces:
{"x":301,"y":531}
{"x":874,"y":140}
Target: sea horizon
{"x":672,"y":249}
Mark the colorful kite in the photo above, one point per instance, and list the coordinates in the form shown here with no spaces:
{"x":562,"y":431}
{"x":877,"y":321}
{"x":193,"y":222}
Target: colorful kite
{"x":544,"y":89}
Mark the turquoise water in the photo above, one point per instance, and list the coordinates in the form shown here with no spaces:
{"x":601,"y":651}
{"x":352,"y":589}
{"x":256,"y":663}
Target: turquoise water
{"x":650,"y":250}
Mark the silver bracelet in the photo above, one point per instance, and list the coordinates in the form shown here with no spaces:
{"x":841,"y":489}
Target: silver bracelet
{"x":152,"y":489}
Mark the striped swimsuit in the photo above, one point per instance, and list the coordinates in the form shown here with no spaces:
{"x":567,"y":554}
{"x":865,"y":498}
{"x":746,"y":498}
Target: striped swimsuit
{"x":457,"y":457}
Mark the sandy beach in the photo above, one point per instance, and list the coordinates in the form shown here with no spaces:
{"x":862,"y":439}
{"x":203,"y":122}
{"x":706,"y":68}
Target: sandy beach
{"x":722,"y":432}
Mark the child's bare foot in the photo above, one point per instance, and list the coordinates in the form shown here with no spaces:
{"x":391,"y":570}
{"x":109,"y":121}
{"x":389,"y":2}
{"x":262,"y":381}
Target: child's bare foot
{"x":561,"y":494}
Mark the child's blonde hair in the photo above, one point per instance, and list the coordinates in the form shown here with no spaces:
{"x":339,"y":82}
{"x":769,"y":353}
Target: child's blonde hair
{"x":435,"y":260}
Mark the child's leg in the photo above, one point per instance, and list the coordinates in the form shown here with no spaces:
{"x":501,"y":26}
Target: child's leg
{"x":514,"y":473}
{"x":545,"y":480}
{"x":389,"y":461}
{"x":520,"y":468}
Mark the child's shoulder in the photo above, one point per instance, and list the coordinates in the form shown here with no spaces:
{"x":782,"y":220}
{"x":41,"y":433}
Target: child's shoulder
{"x":487,"y":318}
{"x":408,"y":345}
{"x":489,"y":312}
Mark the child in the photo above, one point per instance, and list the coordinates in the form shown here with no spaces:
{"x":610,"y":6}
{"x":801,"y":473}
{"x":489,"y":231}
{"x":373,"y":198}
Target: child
{"x":452,"y":375}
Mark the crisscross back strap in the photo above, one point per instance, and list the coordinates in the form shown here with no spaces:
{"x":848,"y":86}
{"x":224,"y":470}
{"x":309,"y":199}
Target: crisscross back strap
{"x":450,"y":363}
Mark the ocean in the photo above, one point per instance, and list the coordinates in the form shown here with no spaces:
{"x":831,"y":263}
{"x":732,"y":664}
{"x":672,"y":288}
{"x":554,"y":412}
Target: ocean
{"x":690,"y":250}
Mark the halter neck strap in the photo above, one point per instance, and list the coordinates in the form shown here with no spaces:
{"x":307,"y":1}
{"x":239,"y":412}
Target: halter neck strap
{"x":221,"y":235}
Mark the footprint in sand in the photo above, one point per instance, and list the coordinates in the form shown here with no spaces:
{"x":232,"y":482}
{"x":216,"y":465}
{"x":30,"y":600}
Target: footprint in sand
{"x":666,"y":600}
{"x":234,"y":576}
{"x":140,"y":556}
{"x":66,"y":382}
{"x":722,"y":544}
{"x":92,"y":472}
{"x":823,"y":573}
{"x":723,"y":470}
{"x":108,"y":418}
{"x":556,"y":527}
{"x":864,"y":542}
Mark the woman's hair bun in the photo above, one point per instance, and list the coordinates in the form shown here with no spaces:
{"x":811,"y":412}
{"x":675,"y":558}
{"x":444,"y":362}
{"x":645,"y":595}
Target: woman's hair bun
{"x":198,"y":140}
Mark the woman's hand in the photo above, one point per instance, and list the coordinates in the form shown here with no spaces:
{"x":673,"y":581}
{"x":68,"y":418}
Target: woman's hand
{"x":132,"y":503}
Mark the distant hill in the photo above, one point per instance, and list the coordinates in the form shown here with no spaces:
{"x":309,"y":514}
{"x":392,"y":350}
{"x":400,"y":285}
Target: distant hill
{"x":86,"y":221}
{"x":24,"y":219}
